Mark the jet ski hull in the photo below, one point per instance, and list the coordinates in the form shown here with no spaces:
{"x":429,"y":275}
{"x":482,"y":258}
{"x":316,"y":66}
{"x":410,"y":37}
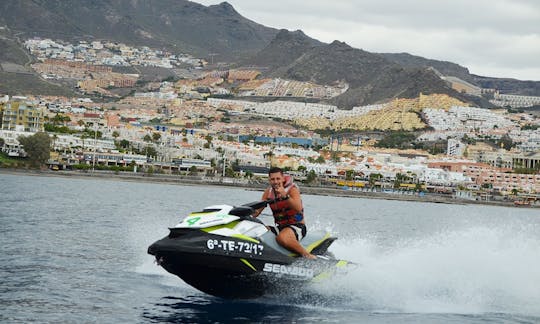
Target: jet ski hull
{"x":231,"y":267}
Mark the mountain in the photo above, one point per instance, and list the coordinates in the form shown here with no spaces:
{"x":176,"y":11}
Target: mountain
{"x":16,"y":77}
{"x":218,"y":31}
{"x":504,"y":85}
{"x":444,"y":67}
{"x":179,"y":25}
{"x":371,"y":77}
{"x":283,"y":50}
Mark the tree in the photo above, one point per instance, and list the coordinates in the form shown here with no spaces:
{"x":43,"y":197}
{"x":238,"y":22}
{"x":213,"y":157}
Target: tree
{"x":115,"y":134}
{"x":193,"y":170}
{"x":2,"y":142}
{"x":156,"y":137}
{"x":229,"y":172}
{"x":505,"y":142}
{"x":150,"y":151}
{"x":37,"y":147}
{"x":147,"y":138}
{"x":83,"y":137}
{"x":374,"y":177}
{"x":311,"y":177}
{"x":124,"y":143}
{"x":269,"y":156}
{"x":60,"y":119}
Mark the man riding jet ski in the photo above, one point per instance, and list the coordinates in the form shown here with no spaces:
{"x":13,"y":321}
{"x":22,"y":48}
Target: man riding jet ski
{"x":224,"y":251}
{"x":288,"y":211}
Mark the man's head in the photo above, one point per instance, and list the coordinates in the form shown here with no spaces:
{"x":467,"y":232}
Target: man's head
{"x":276,"y":177}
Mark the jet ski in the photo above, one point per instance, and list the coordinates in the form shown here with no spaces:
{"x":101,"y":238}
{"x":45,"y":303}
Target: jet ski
{"x":224,"y":251}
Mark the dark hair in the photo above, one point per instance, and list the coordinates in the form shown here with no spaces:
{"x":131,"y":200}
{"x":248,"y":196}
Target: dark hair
{"x":275,"y":170}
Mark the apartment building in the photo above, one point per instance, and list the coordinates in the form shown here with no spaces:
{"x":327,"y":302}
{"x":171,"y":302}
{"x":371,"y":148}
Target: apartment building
{"x":514,"y":101}
{"x":18,"y":115}
{"x":504,"y":181}
{"x":501,"y":158}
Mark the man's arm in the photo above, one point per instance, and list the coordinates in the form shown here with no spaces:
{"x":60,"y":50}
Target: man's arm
{"x":295,"y":201}
{"x":259,"y":211}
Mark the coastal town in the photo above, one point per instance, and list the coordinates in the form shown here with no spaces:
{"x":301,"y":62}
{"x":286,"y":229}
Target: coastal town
{"x":222,"y":125}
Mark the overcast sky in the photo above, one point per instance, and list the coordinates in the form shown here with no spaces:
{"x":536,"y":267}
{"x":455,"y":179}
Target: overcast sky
{"x":497,"y":38}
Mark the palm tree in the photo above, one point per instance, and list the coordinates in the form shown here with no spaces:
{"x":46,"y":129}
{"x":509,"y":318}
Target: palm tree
{"x":54,"y":138}
{"x":269,"y":156}
{"x":83,"y":137}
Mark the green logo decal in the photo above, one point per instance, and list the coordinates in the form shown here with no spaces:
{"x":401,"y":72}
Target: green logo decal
{"x":193,"y":220}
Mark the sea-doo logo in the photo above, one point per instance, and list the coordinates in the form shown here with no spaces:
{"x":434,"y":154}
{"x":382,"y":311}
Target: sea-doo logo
{"x":288,"y":270}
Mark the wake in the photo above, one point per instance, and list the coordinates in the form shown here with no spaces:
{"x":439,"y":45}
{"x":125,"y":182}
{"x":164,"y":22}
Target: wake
{"x":478,"y":270}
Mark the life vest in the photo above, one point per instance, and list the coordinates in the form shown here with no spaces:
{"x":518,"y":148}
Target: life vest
{"x":283,"y":213}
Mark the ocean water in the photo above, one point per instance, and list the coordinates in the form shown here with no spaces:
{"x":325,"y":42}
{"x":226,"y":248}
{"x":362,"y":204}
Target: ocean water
{"x":74,"y":250}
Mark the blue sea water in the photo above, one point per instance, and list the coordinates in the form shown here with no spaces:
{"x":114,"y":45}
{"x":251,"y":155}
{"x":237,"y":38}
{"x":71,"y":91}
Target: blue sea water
{"x":74,"y":250}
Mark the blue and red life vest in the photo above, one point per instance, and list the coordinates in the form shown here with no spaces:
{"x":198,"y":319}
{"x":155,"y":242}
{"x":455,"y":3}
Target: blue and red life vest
{"x":281,"y":209}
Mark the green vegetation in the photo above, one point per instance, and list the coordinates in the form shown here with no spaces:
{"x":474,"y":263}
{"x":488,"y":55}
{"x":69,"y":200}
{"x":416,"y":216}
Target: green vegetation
{"x":90,"y":133}
{"x":399,"y":140}
{"x":468,"y":140}
{"x":311,"y":177}
{"x":58,"y":129}
{"x":148,"y":151}
{"x":374,"y":177}
{"x":530,"y":127}
{"x":115,"y":168}
{"x":7,"y":162}
{"x":433,"y":147}
{"x":320,"y":159}
{"x":37,"y":147}
{"x":504,"y":142}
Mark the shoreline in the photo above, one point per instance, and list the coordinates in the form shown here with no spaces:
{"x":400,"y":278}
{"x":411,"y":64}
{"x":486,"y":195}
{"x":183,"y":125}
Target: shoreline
{"x":196,"y":181}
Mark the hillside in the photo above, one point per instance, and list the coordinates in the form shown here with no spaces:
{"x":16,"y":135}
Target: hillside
{"x":283,"y":50}
{"x":371,"y":77}
{"x":218,"y":31}
{"x":16,"y":77}
{"x":179,"y":25}
{"x":505,"y":85}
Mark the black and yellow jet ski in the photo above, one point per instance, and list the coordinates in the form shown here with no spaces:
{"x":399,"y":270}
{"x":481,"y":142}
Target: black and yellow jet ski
{"x":224,"y":251}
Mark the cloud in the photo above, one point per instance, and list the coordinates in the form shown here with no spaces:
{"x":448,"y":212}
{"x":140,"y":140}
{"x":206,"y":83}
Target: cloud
{"x":499,"y":38}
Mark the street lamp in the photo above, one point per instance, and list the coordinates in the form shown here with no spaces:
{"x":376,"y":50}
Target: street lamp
{"x":95,"y":142}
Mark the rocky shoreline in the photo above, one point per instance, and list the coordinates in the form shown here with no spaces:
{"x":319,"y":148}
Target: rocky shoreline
{"x":193,"y":180}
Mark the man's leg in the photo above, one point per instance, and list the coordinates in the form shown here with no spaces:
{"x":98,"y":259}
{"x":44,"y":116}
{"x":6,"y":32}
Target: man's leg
{"x":287,"y":239}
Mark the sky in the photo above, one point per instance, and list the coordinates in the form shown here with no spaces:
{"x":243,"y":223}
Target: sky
{"x":496,"y":38}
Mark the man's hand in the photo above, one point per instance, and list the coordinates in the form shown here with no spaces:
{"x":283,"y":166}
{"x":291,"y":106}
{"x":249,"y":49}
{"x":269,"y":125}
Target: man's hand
{"x":280,"y":190}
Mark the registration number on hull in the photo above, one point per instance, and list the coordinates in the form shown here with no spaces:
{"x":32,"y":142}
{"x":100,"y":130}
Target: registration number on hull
{"x":235,"y":246}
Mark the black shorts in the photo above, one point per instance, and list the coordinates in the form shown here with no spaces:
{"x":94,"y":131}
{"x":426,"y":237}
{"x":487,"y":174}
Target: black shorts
{"x":299,"y":229}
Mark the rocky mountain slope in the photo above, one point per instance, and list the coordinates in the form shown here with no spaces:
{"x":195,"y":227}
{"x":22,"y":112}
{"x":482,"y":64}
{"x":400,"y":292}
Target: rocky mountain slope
{"x":220,"y":32}
{"x":174,"y":24}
